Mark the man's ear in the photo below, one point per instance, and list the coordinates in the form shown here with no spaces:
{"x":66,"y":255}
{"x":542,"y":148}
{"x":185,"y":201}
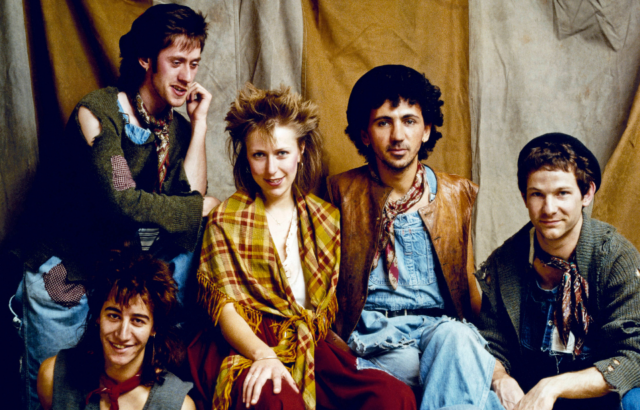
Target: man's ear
{"x":427,"y":133}
{"x":365,"y":138}
{"x":145,"y":63}
{"x":588,"y":197}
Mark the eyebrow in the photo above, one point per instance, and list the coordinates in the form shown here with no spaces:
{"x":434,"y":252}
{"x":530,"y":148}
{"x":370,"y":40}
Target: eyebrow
{"x":181,"y":58}
{"x":114,"y":309}
{"x":387,"y":117}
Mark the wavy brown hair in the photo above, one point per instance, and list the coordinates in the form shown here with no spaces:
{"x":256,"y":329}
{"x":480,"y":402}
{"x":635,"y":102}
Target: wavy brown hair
{"x":122,"y":276}
{"x":256,"y":110}
{"x":156,"y":29}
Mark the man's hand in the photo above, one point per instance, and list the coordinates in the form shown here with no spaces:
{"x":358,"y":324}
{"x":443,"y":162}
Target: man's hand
{"x":542,"y":397}
{"x":198,"y":100}
{"x":209,"y":203}
{"x":506,"y":387}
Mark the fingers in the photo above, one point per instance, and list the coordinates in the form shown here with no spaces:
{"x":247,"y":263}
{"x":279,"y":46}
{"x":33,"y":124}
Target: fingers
{"x":289,"y":379}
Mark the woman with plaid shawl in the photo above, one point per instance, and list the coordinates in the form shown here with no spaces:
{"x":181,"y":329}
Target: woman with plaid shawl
{"x":269,"y":270}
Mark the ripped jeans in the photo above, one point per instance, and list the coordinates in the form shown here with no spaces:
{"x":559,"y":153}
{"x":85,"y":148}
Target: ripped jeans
{"x":442,"y":358}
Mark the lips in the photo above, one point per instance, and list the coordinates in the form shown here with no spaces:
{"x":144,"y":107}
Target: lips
{"x":180,"y":91}
{"x":274,"y":182}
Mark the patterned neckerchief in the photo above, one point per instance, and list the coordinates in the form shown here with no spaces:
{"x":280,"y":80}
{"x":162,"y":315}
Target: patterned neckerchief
{"x":391,"y":210}
{"x":570,"y":313}
{"x":239,"y":264}
{"x":114,"y":389}
{"x":160,"y":127}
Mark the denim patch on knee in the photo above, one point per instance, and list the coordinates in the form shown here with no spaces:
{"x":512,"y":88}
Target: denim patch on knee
{"x":60,"y":289}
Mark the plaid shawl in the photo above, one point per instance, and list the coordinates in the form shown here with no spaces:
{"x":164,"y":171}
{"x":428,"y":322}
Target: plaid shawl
{"x":239,"y":265}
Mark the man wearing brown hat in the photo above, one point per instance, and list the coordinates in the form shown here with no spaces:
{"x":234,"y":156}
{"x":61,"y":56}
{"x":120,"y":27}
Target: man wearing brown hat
{"x":561,"y":298}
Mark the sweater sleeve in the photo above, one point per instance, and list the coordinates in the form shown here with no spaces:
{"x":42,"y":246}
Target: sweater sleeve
{"x":619,"y":313}
{"x":179,"y":213}
{"x":493,"y":321}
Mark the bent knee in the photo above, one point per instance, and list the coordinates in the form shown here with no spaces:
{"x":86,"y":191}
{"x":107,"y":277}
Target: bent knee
{"x":453,"y":332}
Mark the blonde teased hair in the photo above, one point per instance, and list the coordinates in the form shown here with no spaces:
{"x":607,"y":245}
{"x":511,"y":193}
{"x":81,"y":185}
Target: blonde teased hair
{"x":261,"y":110}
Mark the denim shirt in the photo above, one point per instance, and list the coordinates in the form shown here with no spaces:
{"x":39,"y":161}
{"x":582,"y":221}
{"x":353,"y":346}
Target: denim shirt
{"x":417,"y":284}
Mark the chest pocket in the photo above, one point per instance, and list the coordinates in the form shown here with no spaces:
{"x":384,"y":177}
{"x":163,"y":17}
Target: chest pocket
{"x":414,"y":256}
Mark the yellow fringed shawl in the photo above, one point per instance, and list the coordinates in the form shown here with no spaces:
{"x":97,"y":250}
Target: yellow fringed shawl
{"x":239,"y":265}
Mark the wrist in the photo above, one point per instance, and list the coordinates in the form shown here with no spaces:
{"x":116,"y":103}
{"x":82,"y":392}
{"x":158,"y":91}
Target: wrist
{"x":261,"y":353}
{"x":199,"y":127}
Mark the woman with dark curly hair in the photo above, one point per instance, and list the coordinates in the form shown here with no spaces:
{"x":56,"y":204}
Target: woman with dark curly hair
{"x":129,"y":340}
{"x":269,"y":270}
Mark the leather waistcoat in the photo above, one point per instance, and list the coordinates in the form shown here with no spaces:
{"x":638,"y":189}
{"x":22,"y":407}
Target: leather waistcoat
{"x":447,"y":218}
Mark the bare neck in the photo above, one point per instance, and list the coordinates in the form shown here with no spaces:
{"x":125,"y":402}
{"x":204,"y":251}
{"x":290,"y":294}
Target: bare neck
{"x":153,"y":103}
{"x":400,"y":181}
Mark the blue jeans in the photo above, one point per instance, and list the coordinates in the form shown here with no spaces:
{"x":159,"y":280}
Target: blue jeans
{"x":46,"y":327}
{"x":442,"y":358}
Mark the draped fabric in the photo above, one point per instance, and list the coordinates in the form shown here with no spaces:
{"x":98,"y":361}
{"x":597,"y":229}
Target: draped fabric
{"x":239,"y":264}
{"x":546,"y":66}
{"x":345,"y":39}
{"x":617,"y":201}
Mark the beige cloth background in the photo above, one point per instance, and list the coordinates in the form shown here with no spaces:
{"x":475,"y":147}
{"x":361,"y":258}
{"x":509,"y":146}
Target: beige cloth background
{"x":618,"y":196}
{"x":539,"y":67}
{"x":343,"y":40}
{"x":558,"y":65}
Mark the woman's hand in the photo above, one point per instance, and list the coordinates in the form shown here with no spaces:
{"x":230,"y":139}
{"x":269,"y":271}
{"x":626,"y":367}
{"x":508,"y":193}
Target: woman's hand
{"x":259,"y":373}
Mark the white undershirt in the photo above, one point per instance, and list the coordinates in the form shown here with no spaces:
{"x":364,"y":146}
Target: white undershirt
{"x":293,"y":266}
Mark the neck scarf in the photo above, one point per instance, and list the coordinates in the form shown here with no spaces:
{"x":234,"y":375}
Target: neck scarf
{"x":240,"y":265}
{"x":391,"y":210}
{"x":114,"y":389}
{"x":160,"y":127}
{"x":570,"y":314}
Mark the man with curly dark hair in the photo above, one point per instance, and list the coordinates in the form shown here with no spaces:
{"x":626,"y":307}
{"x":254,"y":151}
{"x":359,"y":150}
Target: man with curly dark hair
{"x":406,"y":275}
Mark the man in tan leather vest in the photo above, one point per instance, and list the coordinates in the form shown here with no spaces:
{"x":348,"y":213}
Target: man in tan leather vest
{"x":406,"y":276}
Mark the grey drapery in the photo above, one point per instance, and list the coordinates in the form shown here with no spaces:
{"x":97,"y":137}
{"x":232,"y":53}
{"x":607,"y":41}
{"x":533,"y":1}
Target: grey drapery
{"x":536,"y":67}
{"x":18,"y":136}
{"x":256,"y":41}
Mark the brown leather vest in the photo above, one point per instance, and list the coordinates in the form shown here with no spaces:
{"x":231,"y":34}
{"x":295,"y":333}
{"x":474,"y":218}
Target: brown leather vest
{"x":447,"y":218}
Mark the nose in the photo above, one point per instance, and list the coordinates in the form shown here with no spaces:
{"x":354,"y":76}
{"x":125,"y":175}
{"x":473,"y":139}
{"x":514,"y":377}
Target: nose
{"x":397,"y":133}
{"x":124,"y":331}
{"x":272,"y":166}
{"x":186,"y":74}
{"x":550,"y":205}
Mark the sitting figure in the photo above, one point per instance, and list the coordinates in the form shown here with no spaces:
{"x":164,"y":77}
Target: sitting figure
{"x":406,"y":276}
{"x":561,"y":298}
{"x":269,"y":270}
{"x":121,"y":360}
{"x":130,"y":169}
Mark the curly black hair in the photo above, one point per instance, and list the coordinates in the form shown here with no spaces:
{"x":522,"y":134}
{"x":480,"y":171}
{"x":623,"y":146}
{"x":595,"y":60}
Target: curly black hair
{"x":393,"y":83}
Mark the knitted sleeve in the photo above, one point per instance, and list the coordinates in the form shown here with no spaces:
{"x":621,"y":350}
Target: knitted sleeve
{"x":493,"y":322}
{"x":619,"y":313}
{"x":118,"y":169}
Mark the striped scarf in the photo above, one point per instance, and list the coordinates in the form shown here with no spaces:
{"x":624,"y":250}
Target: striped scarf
{"x":160,"y":127}
{"x":239,"y":265}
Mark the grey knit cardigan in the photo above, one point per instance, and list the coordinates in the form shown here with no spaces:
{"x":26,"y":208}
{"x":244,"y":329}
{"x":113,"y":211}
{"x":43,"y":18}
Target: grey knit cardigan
{"x":611,"y":265}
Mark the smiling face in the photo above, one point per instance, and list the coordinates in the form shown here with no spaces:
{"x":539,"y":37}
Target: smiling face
{"x":274,"y":161}
{"x":124,"y":333}
{"x":555,"y":204}
{"x":168,"y":80}
{"x":396,"y":134}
